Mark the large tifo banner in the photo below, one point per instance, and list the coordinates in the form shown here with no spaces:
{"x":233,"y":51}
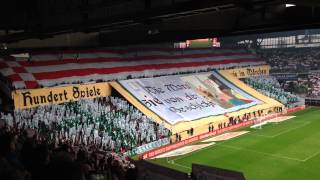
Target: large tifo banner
{"x":249,"y":71}
{"x":186,"y":98}
{"x":38,"y":97}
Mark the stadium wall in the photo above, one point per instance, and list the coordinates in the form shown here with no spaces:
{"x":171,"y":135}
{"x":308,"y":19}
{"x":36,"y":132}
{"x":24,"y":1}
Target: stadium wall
{"x":292,"y":110}
{"x":312,"y":101}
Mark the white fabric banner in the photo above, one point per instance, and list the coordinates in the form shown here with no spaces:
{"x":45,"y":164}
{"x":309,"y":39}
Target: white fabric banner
{"x":186,"y":98}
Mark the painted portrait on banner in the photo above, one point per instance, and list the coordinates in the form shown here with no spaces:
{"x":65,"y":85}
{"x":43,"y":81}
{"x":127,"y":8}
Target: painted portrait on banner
{"x":186,"y":98}
{"x":215,"y":91}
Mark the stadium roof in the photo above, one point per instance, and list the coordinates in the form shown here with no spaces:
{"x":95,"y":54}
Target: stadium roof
{"x":118,"y":22}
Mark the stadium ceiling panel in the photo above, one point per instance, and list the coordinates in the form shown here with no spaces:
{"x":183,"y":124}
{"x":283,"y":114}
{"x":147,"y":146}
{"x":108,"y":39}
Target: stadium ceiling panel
{"x":143,"y":21}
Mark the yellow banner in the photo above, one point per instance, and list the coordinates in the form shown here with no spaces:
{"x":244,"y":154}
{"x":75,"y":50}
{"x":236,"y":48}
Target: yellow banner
{"x":55,"y":95}
{"x":249,"y":71}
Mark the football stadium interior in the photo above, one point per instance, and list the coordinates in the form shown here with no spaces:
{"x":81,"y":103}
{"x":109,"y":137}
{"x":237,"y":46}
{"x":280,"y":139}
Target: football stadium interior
{"x":157,"y":90}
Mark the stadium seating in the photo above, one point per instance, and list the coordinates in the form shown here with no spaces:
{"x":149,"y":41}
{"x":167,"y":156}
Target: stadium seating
{"x":314,"y":80}
{"x":291,"y":59}
{"x":290,"y":65}
{"x":108,"y":122}
{"x":252,"y":91}
{"x":116,"y":129}
{"x":271,"y":87}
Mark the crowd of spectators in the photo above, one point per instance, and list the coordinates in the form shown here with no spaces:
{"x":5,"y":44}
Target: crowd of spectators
{"x":87,"y":136}
{"x":110,"y":122}
{"x":304,"y":63}
{"x":314,"y":80}
{"x":79,"y":140}
{"x":291,"y":59}
{"x":26,"y":155}
{"x":270,"y":87}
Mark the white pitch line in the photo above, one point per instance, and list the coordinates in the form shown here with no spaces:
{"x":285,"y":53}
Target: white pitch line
{"x":184,"y":150}
{"x":177,"y":164}
{"x":237,"y":148}
{"x":263,"y":153}
{"x":283,"y":132}
{"x":288,"y":130}
{"x":186,"y":155}
{"x":259,"y":135}
{"x":312,"y":156}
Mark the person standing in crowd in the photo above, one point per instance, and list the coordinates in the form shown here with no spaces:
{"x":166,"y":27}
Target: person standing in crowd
{"x":1,"y":105}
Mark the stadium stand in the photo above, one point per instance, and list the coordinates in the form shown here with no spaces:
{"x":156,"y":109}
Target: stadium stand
{"x":314,"y":80}
{"x":291,"y":59}
{"x":27,"y":154}
{"x":94,"y":132}
{"x":297,"y":68}
{"x":111,"y":123}
{"x":105,"y":89}
{"x":271,"y":87}
{"x":252,"y":91}
{"x":102,"y":133}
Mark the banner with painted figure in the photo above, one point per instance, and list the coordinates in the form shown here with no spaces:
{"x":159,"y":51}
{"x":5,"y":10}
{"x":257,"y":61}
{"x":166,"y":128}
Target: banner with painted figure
{"x":186,"y":98}
{"x":171,"y":98}
{"x":218,"y":90}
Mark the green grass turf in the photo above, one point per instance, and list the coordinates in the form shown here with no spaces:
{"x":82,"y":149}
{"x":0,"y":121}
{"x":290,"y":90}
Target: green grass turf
{"x":287,"y":150}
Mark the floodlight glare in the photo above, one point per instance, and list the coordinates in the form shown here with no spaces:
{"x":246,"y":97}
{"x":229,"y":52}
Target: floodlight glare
{"x":290,"y":5}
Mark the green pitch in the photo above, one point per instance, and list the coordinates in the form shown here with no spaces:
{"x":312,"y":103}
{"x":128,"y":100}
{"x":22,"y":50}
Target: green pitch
{"x":288,"y":150}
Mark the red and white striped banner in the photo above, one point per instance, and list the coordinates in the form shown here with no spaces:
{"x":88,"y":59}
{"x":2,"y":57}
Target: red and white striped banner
{"x":51,"y":69}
